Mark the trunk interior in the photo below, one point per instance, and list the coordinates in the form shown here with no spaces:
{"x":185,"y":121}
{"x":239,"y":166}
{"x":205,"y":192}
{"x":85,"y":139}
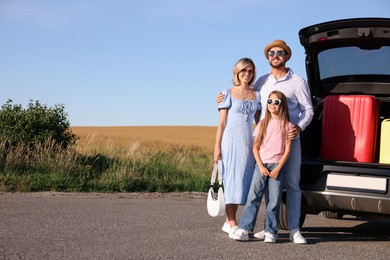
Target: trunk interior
{"x":313,"y":135}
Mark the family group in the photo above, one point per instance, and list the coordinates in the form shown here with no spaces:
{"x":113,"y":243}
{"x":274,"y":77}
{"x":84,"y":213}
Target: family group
{"x":264,"y":160}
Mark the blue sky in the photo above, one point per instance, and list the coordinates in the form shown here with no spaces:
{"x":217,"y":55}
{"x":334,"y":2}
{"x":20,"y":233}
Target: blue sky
{"x":150,"y":62}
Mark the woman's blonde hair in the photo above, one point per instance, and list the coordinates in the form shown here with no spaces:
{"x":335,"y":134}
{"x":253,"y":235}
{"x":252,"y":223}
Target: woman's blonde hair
{"x":283,"y":116}
{"x":240,"y":65}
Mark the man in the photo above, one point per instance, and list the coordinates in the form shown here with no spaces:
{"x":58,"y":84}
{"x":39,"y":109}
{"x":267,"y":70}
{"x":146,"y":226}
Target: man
{"x":300,"y":108}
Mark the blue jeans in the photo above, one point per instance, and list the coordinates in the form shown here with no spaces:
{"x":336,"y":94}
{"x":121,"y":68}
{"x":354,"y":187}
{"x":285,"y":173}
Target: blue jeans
{"x":292,"y":178}
{"x":257,"y":189}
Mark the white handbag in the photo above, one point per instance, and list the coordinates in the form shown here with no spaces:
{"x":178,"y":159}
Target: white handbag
{"x":216,"y":201}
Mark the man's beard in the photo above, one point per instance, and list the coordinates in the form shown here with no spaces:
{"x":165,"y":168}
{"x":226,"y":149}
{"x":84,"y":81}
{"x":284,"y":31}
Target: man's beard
{"x":281,"y":64}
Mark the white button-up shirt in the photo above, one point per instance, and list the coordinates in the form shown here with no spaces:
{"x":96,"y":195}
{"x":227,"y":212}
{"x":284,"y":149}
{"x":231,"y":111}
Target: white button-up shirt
{"x":297,"y":92}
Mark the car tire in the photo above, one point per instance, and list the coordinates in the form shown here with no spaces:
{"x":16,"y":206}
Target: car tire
{"x":332,"y":214}
{"x":283,"y":216}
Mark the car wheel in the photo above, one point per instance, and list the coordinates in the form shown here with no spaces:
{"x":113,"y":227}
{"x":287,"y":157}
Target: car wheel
{"x":283,"y":216}
{"x":332,"y":214}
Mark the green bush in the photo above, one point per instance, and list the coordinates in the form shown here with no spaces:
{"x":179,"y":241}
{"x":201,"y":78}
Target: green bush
{"x":35,"y":124}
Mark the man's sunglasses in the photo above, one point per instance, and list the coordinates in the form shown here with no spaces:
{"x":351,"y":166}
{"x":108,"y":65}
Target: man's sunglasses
{"x":277,"y":53}
{"x":276,"y":102}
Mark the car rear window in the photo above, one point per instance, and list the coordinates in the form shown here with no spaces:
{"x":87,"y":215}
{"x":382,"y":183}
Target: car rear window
{"x":352,"y":60}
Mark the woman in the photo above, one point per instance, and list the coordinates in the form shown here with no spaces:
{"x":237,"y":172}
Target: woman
{"x":234,"y":139}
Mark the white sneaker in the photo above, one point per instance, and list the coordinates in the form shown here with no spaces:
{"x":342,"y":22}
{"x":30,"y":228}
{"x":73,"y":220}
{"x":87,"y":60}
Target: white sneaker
{"x":232,"y":230}
{"x":269,"y":238}
{"x":226,"y":227}
{"x":260,"y":234}
{"x":297,"y":237}
{"x":239,"y":234}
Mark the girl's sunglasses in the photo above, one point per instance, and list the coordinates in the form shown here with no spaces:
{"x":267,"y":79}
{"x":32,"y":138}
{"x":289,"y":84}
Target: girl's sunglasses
{"x":276,"y":102}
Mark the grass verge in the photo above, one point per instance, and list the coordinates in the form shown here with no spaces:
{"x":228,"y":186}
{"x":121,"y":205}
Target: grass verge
{"x":142,"y":167}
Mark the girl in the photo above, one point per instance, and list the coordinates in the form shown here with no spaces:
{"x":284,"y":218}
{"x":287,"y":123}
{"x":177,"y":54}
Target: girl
{"x":271,"y":150}
{"x":235,"y":137}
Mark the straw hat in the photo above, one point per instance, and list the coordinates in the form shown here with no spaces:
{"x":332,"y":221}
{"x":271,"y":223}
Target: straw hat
{"x":277,"y":43}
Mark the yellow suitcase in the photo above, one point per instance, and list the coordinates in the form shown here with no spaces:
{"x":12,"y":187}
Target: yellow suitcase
{"x":384,"y":153}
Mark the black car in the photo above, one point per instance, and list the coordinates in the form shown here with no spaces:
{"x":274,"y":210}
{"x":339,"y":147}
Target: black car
{"x":346,"y":148}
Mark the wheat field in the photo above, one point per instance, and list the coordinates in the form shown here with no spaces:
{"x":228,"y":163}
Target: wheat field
{"x":115,"y":159}
{"x":92,"y":138}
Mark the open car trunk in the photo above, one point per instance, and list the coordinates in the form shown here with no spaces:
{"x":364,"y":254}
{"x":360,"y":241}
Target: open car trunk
{"x":346,"y":148}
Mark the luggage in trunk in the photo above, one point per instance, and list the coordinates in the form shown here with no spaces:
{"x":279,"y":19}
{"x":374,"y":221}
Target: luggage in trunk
{"x":349,"y":128}
{"x":384,"y":153}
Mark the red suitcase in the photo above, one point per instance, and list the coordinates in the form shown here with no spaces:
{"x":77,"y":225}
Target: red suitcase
{"x":349,"y":128}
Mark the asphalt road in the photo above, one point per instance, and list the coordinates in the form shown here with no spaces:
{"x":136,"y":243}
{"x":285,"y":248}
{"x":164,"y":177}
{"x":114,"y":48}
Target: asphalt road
{"x":163,"y":226}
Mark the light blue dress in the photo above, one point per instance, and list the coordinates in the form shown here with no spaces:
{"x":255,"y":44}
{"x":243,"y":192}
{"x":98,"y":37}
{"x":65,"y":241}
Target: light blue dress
{"x":236,"y":147}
